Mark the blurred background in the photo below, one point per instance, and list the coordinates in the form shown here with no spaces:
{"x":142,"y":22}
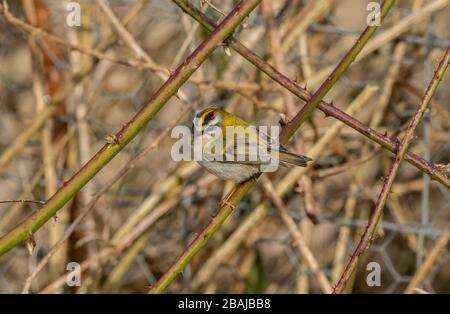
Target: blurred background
{"x":57,"y":107}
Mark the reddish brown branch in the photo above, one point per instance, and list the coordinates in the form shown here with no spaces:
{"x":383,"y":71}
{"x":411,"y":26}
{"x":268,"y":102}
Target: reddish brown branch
{"x":367,"y":237}
{"x":329,"y":109}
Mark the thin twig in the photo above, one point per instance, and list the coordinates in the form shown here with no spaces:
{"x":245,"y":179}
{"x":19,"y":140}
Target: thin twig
{"x":125,"y":169}
{"x":25,"y":229}
{"x":369,"y":231}
{"x":95,"y":53}
{"x":234,"y":241}
{"x":293,"y":125}
{"x":143,"y":226}
{"x":323,"y":173}
{"x":22,"y":201}
{"x":301,"y":245}
{"x":423,"y":271}
{"x":277,"y":53}
{"x":329,"y":109}
{"x":20,"y":141}
{"x":288,"y":130}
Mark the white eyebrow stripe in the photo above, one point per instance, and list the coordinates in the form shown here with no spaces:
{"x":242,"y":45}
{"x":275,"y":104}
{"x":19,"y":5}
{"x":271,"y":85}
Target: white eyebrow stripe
{"x":214,"y":121}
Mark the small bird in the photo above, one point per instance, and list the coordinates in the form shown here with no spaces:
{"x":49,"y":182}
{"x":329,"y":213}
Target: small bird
{"x":243,"y":158}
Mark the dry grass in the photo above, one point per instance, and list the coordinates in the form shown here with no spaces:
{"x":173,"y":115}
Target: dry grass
{"x":137,"y":216}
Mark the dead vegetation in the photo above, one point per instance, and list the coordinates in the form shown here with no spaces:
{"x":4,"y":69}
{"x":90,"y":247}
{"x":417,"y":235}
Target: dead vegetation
{"x":64,"y":92}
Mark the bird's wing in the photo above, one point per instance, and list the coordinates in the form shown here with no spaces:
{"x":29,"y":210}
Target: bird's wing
{"x":281,"y":153}
{"x":247,"y":148}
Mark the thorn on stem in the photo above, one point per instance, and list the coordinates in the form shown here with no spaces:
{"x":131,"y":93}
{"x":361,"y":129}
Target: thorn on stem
{"x":225,"y":202}
{"x":227,"y":51}
{"x":283,"y":120}
{"x":300,"y":190}
{"x":112,"y":139}
{"x":444,"y":168}
{"x":30,"y":243}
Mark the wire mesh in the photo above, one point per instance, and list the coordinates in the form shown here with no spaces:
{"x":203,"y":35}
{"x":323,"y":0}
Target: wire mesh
{"x":115,"y":92}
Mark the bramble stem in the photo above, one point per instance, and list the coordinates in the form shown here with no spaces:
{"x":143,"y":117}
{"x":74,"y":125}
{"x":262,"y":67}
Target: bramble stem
{"x":24,"y":230}
{"x":369,"y":231}
{"x":241,"y":189}
{"x":325,"y":107}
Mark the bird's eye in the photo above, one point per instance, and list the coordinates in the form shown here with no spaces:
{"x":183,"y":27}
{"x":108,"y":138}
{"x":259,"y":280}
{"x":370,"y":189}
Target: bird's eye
{"x":208,"y":117}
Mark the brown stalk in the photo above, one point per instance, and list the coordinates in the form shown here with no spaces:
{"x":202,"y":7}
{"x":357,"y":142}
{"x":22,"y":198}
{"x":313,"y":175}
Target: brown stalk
{"x":369,"y":231}
{"x":328,"y":108}
{"x":24,"y":230}
{"x":228,"y":204}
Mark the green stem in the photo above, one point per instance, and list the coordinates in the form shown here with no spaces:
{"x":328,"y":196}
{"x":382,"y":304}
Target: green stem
{"x":325,"y":107}
{"x":241,"y":189}
{"x":341,"y":68}
{"x":367,"y":237}
{"x":20,"y":141}
{"x":24,"y":230}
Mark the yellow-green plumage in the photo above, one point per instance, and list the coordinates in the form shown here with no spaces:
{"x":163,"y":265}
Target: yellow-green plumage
{"x":238,"y":170}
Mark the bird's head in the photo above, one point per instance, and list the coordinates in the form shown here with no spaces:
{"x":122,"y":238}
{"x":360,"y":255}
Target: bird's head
{"x":207,"y":121}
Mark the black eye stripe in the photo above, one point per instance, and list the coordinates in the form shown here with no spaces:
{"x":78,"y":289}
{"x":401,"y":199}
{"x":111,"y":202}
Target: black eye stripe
{"x":209,"y":116}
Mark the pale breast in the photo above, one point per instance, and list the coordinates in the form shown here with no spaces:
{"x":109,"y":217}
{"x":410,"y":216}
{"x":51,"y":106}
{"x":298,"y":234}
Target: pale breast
{"x":230,"y":171}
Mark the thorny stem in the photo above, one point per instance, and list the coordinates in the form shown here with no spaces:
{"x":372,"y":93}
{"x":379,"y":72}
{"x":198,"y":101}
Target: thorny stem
{"x":226,"y":208}
{"x":24,"y":230}
{"x":369,"y":231}
{"x":302,"y":93}
{"x":317,"y":97}
{"x":19,"y":142}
